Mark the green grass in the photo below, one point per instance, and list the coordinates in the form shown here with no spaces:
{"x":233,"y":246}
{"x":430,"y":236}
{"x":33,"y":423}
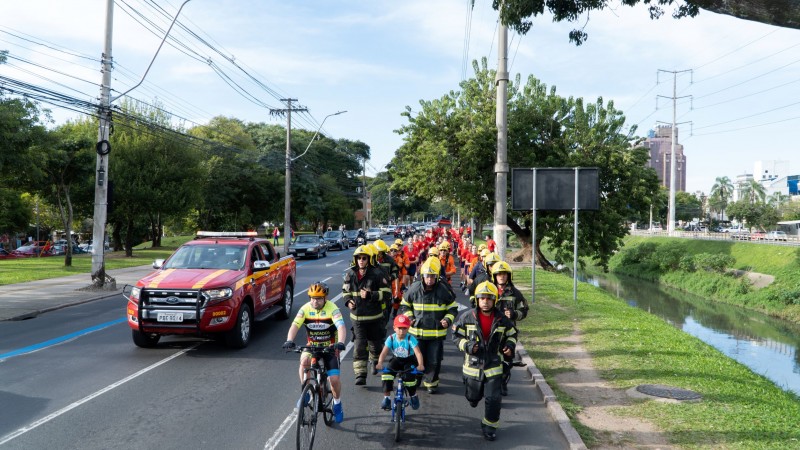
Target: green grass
{"x":739,"y":410}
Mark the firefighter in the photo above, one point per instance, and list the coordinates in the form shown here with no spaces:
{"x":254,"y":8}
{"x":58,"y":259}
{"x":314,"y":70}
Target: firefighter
{"x":397,"y":285}
{"x":447,"y":260}
{"x":512,"y":304}
{"x":391,"y":268}
{"x":365,"y":290}
{"x":485,"y":336}
{"x":482,"y":273}
{"x":431,"y":306}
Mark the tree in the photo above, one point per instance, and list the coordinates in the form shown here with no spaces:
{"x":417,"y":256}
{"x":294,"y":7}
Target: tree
{"x":687,"y":206}
{"x":721,"y":194}
{"x":517,"y":13}
{"x":754,"y":192}
{"x":448,"y":155}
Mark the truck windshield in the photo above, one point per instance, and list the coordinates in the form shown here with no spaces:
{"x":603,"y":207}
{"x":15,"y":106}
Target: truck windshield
{"x":230,"y":257}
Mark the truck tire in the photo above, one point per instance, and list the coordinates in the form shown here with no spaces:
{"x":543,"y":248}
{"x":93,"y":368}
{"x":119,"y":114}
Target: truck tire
{"x":286,"y":303}
{"x":239,"y":335}
{"x":144,"y":340}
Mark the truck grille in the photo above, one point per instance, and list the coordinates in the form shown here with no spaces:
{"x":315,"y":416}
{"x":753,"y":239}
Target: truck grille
{"x":185,"y":301}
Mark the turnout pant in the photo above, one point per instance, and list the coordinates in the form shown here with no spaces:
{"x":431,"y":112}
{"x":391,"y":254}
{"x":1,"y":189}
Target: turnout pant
{"x":489,"y":389}
{"x":432,"y":353}
{"x":368,"y":334}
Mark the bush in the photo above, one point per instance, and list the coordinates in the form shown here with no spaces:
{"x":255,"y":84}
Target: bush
{"x":687,"y":263}
{"x":668,"y":256}
{"x":714,"y":262}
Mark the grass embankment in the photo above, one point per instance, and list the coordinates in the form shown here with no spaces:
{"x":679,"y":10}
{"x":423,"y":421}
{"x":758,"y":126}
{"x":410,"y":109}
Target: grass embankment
{"x":717,"y":270}
{"x":19,"y":270}
{"x":739,"y":410}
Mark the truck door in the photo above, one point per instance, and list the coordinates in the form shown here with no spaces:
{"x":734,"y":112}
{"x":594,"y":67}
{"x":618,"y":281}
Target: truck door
{"x":274,"y":278}
{"x":259,"y":280}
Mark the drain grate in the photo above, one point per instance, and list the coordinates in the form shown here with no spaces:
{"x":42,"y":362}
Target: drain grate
{"x":659,"y":390}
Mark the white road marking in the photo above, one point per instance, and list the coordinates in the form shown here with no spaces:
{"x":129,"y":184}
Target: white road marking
{"x":89,"y":397}
{"x":333,"y":263}
{"x":292,"y":417}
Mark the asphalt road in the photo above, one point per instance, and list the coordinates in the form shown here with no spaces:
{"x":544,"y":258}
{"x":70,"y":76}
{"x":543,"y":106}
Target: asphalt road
{"x":89,"y":387}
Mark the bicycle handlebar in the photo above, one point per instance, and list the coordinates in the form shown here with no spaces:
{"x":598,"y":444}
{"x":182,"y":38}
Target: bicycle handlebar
{"x":411,"y":371}
{"x":313,"y":349}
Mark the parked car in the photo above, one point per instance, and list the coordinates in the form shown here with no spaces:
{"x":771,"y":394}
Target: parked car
{"x":757,"y":236}
{"x":336,"y":240}
{"x":740,"y":235}
{"x":29,"y":249}
{"x":309,"y":245}
{"x":4,"y":254}
{"x":373,"y":234}
{"x":776,"y":236}
{"x":353,"y":235}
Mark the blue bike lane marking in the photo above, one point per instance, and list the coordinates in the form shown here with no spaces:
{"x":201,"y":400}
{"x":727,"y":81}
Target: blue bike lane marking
{"x":59,"y":340}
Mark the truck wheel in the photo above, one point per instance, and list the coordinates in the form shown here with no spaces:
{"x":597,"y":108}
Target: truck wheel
{"x":286,"y":303}
{"x":144,"y":340}
{"x":239,"y":335}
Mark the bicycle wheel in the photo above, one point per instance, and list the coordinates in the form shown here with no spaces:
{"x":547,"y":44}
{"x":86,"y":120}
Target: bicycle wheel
{"x":307,"y":417}
{"x":326,"y":404}
{"x":399,"y":411}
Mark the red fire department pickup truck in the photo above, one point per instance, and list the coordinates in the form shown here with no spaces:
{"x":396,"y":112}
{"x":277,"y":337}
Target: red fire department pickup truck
{"x":216,"y":284}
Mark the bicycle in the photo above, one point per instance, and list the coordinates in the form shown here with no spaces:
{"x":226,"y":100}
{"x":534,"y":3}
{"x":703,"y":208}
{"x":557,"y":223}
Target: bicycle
{"x":401,"y":398}
{"x":315,"y":397}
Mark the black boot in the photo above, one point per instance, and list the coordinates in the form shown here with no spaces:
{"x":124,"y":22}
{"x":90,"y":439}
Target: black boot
{"x":489,"y":433}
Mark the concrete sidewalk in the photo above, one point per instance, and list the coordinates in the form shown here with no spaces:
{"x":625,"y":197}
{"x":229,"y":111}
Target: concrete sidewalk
{"x":25,"y":300}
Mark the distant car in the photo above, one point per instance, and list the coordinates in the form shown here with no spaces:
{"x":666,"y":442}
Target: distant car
{"x":757,"y":236}
{"x":336,"y":240}
{"x":390,"y":229}
{"x":373,"y":234}
{"x":353,"y":235}
{"x":740,"y":235}
{"x":776,"y":236}
{"x":656,"y":227}
{"x":4,"y":254}
{"x":309,"y":245}
{"x":29,"y":249}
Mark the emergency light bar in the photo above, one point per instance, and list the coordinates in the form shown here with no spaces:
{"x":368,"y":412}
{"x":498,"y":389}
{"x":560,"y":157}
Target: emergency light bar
{"x":249,"y":234}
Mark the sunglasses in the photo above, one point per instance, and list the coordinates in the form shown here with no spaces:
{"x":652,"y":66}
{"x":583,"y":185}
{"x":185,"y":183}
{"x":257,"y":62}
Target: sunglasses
{"x":360,"y":258}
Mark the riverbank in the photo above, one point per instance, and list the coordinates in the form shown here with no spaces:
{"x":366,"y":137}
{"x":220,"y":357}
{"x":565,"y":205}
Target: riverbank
{"x":756,"y":276}
{"x":628,"y":347}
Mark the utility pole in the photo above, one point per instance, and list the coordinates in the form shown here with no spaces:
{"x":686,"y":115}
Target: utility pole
{"x":501,"y":168}
{"x":99,"y":277}
{"x":287,"y":199}
{"x":364,"y":187}
{"x":673,"y":160}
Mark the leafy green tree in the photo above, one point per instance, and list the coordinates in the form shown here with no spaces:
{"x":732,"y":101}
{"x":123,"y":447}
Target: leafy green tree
{"x":721,"y":194}
{"x":449,"y":148}
{"x":754,"y":192}
{"x":687,"y":206}
{"x":15,"y":215}
{"x":759,"y":215}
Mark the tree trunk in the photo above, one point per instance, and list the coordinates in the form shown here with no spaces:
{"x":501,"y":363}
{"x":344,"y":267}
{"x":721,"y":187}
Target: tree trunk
{"x":524,"y":236}
{"x":129,"y":238}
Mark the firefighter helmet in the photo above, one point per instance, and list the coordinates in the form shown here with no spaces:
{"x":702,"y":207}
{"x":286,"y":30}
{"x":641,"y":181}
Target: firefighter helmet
{"x":363,"y":250}
{"x":444,"y":246}
{"x":501,"y":267}
{"x":431,"y":267}
{"x":487,"y":289}
{"x":398,"y":242}
{"x":433,"y":252}
{"x":380,"y":246}
{"x":490,"y":259}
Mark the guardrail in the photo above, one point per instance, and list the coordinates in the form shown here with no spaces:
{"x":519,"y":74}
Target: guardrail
{"x":793,"y":241}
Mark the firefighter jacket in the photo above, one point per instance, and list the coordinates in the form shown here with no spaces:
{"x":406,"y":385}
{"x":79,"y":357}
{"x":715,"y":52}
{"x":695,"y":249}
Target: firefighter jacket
{"x":374,"y":281}
{"x":512,"y":299}
{"x":488,"y":360}
{"x":448,"y":265}
{"x":389,"y":266}
{"x":426,"y":309}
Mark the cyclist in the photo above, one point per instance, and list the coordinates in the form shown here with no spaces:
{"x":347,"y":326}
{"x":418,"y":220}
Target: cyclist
{"x":485,"y":336}
{"x":401,"y":345}
{"x":324,"y":327}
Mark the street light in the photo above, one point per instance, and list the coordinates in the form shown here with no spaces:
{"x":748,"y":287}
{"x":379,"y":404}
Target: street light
{"x":287,"y":202}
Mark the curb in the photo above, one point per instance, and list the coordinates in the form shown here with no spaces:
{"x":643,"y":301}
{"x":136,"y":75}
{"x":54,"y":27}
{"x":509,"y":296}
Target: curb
{"x":33,"y":314}
{"x":550,"y":400}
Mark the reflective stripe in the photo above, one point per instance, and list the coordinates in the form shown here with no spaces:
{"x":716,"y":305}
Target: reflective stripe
{"x":471,"y":371}
{"x":485,"y":421}
{"x":430,"y":307}
{"x":494,"y":371}
{"x":423,"y":333}
{"x":355,"y":317}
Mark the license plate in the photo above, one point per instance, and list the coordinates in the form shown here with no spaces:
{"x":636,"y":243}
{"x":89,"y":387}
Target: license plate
{"x":300,"y":254}
{"x":170,"y":317}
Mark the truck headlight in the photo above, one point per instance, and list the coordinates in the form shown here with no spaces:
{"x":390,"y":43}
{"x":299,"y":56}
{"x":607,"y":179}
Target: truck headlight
{"x":217,"y":295}
{"x":135,"y":293}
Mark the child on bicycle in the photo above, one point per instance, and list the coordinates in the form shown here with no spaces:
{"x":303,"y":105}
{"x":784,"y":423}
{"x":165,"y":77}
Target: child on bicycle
{"x":401,"y":344}
{"x":324,"y":327}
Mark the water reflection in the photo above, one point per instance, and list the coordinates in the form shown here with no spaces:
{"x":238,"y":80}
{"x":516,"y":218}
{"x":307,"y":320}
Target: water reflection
{"x":766,"y":345}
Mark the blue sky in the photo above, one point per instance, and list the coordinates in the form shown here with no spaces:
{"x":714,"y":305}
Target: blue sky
{"x":374,"y":58}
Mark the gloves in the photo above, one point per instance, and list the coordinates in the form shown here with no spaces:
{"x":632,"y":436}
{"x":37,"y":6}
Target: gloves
{"x":470,"y":346}
{"x":339,"y":346}
{"x":288,"y":345}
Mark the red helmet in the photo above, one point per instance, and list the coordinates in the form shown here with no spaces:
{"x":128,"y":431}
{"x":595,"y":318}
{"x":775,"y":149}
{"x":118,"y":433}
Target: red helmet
{"x":402,"y":321}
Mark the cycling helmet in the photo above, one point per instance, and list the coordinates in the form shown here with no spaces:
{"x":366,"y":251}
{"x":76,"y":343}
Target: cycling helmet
{"x":501,"y":267}
{"x":431,"y":267}
{"x":486,"y":289}
{"x":318,"y":289}
{"x":433,"y":251}
{"x":402,"y":321}
{"x":380,"y":246}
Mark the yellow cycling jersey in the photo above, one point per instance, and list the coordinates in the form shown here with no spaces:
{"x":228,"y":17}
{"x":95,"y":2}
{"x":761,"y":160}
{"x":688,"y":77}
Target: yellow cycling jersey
{"x":320,"y":324}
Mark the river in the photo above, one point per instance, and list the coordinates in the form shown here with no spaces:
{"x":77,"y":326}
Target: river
{"x":766,"y":345}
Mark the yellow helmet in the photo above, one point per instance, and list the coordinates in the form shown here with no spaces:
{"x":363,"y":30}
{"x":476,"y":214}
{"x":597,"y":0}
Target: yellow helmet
{"x":363,"y":250}
{"x":398,"y":242}
{"x":481,"y":247}
{"x":431,"y":267}
{"x":444,"y":246}
{"x":490,"y":259}
{"x":380,"y":246}
{"x":394,"y":247}
{"x":433,"y":251}
{"x":501,"y":267}
{"x":483,"y":252}
{"x":318,"y":289}
{"x":486,"y":289}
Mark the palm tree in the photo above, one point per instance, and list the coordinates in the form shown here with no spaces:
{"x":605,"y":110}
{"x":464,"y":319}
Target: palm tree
{"x":754,"y":192}
{"x":777,"y":200}
{"x":722,"y":192}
